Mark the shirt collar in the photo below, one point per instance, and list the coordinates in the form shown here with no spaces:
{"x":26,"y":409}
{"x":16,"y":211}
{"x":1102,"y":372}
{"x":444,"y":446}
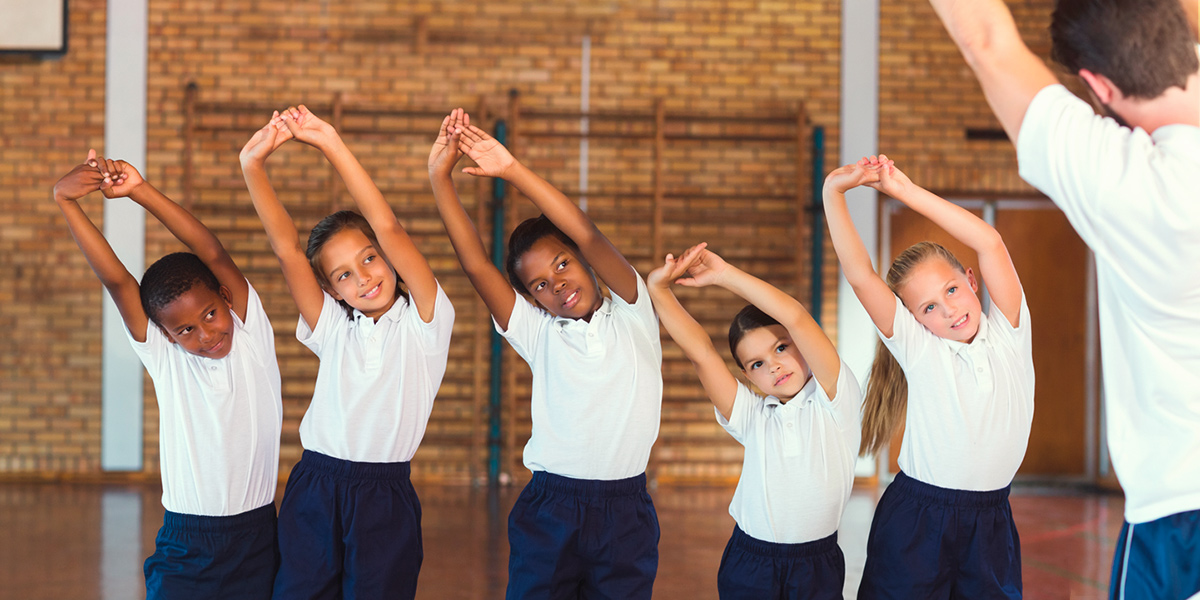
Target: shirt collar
{"x":802,"y":398}
{"x":605,"y":309}
{"x":392,"y":314}
{"x":980,"y":337}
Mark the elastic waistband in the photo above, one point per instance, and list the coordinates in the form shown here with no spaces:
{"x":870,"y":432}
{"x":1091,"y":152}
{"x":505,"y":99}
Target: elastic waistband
{"x":744,"y":541}
{"x":591,"y":488}
{"x":263,"y":515}
{"x":348,"y":469}
{"x":945,"y":496}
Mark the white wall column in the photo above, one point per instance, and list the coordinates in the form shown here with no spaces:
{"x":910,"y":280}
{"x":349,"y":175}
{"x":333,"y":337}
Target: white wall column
{"x":124,"y":227}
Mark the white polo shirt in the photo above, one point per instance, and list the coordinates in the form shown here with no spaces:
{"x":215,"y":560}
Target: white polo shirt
{"x":1134,"y":198}
{"x":218,"y":419}
{"x":970,"y":406}
{"x":799,"y":464}
{"x":377,"y":379}
{"x":597,"y":387}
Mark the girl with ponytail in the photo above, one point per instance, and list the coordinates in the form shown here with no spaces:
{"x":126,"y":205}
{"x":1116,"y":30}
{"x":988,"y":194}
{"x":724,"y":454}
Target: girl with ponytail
{"x":961,"y":380}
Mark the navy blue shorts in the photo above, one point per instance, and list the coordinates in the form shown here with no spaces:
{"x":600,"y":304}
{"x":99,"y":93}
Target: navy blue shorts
{"x":580,"y":538}
{"x":214,"y":557}
{"x":754,"y":569}
{"x":1158,"y":560}
{"x":934,"y":543}
{"x":348,"y":530}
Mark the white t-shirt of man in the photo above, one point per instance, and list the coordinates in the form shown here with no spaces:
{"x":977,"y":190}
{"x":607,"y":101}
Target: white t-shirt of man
{"x":377,"y":380}
{"x":597,"y":387}
{"x":1134,"y":198}
{"x":219,"y":419}
{"x":970,"y":406}
{"x":799,"y":463}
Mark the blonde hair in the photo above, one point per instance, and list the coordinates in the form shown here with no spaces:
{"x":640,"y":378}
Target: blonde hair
{"x":887,"y":390}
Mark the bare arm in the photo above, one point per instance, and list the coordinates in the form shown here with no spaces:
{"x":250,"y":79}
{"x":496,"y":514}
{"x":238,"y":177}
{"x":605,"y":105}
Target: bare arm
{"x":872,"y":291}
{"x":121,"y":285}
{"x":185,"y":227}
{"x":995,"y":264}
{"x":281,"y":230}
{"x":709,"y":269}
{"x":1192,"y":9}
{"x":394,"y":240}
{"x":1009,"y":73}
{"x":494,"y":160}
{"x":718,"y":382}
{"x":489,"y":282}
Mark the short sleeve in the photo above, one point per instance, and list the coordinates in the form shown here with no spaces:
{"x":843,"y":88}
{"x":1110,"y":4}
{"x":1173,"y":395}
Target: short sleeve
{"x":1018,"y":336}
{"x":257,"y":323}
{"x":909,"y":338}
{"x":435,"y":335}
{"x":642,"y":309}
{"x":151,"y":352}
{"x":332,"y":315}
{"x":743,"y":415}
{"x":847,"y":401}
{"x":524,"y":326}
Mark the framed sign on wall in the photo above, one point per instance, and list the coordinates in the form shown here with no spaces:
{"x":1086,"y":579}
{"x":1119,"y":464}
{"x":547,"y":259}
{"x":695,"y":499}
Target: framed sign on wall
{"x":33,"y":26}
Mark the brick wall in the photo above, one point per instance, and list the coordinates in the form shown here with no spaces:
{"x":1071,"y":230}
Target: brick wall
{"x":393,"y":63}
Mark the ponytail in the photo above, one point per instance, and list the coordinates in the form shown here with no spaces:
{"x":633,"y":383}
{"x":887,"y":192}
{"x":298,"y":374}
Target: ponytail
{"x":886,"y":400}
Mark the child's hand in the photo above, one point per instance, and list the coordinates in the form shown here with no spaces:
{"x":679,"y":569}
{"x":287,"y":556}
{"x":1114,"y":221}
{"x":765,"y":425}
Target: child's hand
{"x":706,"y":269}
{"x":120,"y":177}
{"x":265,"y":141}
{"x":492,"y":158}
{"x":851,"y":176}
{"x":82,"y":180}
{"x":446,"y":149}
{"x":306,"y":127}
{"x":892,"y":181}
{"x":674,"y":268}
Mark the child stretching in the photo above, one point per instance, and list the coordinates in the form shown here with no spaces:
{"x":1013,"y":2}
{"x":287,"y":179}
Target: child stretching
{"x":800,"y":439}
{"x":199,"y":328}
{"x":350,"y":521}
{"x":585,"y":525}
{"x":943,"y":528}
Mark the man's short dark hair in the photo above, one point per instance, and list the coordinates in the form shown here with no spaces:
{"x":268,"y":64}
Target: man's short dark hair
{"x":170,"y":277}
{"x":1143,"y":46}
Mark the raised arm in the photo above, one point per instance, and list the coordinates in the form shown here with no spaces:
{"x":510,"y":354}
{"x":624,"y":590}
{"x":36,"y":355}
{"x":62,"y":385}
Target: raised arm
{"x":281,"y":230}
{"x":1009,"y":73}
{"x":494,"y":160}
{"x":709,"y":269}
{"x":489,"y":282}
{"x":872,"y":291}
{"x":995,"y":264}
{"x":718,"y":382}
{"x":121,"y":285}
{"x":394,"y":240}
{"x":184,"y":226}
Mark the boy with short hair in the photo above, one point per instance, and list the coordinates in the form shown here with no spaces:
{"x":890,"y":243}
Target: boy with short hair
{"x":201,"y":331}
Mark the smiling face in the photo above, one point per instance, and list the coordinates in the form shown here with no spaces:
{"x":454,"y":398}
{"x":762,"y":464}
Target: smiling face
{"x":200,"y":321}
{"x":355,"y":272}
{"x":559,"y":279}
{"x":943,"y":299}
{"x":771,"y":361}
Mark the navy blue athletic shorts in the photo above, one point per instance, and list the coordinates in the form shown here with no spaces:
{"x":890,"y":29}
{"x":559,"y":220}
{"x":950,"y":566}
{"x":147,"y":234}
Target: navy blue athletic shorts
{"x":936,"y":543}
{"x":1158,"y":560}
{"x":214,"y":557}
{"x":348,"y":530}
{"x":581,"y":538}
{"x":753,"y":569}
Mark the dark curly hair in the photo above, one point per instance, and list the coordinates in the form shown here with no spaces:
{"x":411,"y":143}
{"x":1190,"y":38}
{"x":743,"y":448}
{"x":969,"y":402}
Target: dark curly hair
{"x":748,"y":319}
{"x":326,"y":229}
{"x":524,"y":237}
{"x":170,"y":277}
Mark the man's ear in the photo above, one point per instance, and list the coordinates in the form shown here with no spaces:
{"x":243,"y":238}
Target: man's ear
{"x":1102,"y":87}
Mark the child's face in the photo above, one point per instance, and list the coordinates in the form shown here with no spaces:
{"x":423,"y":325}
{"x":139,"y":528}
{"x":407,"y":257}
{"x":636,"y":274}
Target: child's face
{"x":771,"y":361}
{"x":356,"y":272}
{"x":200,"y":322}
{"x":943,"y":299}
{"x":559,"y":279}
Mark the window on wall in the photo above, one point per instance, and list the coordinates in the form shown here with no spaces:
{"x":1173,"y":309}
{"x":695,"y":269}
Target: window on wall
{"x":33,"y":27}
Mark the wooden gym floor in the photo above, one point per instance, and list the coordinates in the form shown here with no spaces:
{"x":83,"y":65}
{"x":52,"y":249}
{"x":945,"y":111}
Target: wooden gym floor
{"x":83,"y":541}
